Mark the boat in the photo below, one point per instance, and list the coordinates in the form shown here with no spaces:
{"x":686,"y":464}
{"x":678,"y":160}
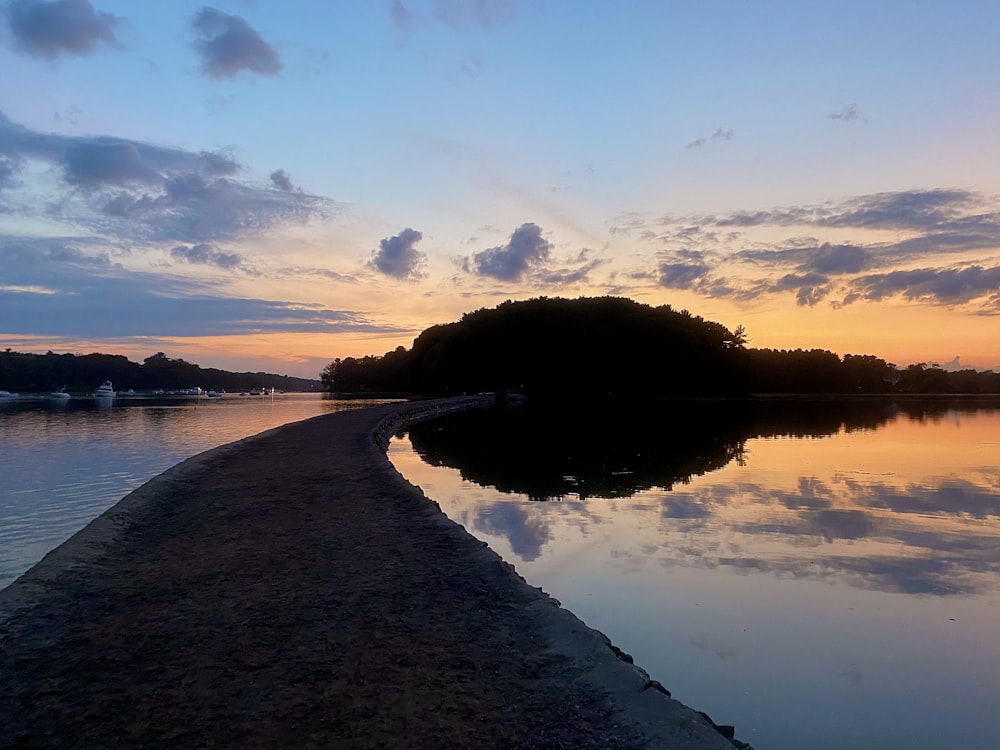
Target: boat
{"x":105,"y":390}
{"x":8,"y":396}
{"x":59,"y":395}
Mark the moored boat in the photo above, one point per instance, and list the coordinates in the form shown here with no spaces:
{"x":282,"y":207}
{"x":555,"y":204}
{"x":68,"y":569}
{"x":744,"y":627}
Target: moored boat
{"x":105,"y":390}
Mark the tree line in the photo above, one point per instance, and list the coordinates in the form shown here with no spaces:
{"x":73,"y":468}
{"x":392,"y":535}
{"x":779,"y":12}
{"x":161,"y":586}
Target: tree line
{"x":614,"y":346}
{"x":83,"y":372}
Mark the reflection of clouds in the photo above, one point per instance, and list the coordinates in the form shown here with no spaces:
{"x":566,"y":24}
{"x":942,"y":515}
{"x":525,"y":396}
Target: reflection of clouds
{"x":950,"y":497}
{"x":527,"y":533}
{"x":700,"y":642}
{"x":880,"y":537}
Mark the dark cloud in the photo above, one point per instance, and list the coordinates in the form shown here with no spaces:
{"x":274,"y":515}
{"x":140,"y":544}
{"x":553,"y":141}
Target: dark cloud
{"x":228,"y":45}
{"x":281,"y":180}
{"x":526,"y":249}
{"x":207,"y":255}
{"x":106,"y":161}
{"x":947,"y":285}
{"x":398,"y":257}
{"x":809,"y":288}
{"x":681,"y":275}
{"x":50,"y":29}
{"x":825,"y":258}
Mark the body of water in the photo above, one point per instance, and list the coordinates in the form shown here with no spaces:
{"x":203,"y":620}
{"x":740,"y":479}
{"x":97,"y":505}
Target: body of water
{"x":63,"y":463}
{"x":823,"y":576}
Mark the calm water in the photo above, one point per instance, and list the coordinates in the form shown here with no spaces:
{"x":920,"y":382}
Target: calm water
{"x":64,"y":463}
{"x":821,"y":576}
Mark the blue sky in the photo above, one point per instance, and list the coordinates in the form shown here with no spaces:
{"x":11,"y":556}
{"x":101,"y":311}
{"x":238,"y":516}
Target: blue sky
{"x":262,"y":185}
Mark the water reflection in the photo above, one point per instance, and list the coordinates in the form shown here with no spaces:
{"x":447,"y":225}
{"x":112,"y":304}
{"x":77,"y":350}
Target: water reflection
{"x":887,"y":530}
{"x":763,"y":560}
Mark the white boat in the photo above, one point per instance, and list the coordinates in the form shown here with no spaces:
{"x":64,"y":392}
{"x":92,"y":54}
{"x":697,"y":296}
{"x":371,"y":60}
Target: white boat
{"x":59,"y":395}
{"x":8,"y":396}
{"x":105,"y":390}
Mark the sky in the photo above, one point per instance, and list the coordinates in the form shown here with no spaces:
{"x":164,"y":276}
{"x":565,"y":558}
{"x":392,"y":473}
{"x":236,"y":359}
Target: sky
{"x":256,"y":185}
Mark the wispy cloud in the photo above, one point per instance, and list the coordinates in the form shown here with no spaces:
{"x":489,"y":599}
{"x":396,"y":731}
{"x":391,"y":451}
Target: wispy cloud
{"x":721,"y":134}
{"x":847,"y":114}
{"x":228,"y":46}
{"x":484,"y":13}
{"x":61,"y":27}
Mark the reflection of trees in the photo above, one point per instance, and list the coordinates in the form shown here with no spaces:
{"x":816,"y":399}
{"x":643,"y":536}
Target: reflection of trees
{"x":550,"y":453}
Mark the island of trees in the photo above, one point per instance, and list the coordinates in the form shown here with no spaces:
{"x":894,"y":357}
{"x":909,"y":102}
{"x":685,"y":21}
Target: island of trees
{"x":82,"y":373}
{"x":614,"y":346}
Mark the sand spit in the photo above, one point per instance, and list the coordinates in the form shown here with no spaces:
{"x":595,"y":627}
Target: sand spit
{"x":293,"y":590}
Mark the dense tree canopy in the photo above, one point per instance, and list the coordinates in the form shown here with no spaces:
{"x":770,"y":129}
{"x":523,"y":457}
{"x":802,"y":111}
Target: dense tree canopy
{"x":612,"y":346}
{"x":84,"y":372}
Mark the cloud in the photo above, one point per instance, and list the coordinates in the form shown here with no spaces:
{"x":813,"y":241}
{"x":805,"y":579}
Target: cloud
{"x":486,"y":13}
{"x":847,"y":114}
{"x":943,"y":285}
{"x":281,"y":180}
{"x":207,"y":255}
{"x":402,"y":19}
{"x":822,"y":258}
{"x":9,"y":170}
{"x":398,"y":257}
{"x":527,"y":533}
{"x":911,"y":210}
{"x":809,"y":288}
{"x":721,"y":134}
{"x":681,"y":275}
{"x":50,"y":29}
{"x":135,"y":191}
{"x":93,"y":161}
{"x":95,"y":294}
{"x":525,"y":250}
{"x":228,"y":45}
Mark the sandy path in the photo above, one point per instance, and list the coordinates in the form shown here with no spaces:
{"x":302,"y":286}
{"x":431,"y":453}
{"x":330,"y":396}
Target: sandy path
{"x":292,"y":590}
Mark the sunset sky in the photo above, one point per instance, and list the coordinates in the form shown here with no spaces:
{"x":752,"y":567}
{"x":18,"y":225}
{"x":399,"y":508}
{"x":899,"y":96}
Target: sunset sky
{"x":261,"y":185}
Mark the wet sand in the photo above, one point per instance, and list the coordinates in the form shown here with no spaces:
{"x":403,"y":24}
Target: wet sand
{"x":293,"y":590}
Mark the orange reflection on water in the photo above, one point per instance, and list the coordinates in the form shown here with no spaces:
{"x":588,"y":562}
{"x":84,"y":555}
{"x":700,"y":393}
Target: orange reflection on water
{"x":855,"y":575}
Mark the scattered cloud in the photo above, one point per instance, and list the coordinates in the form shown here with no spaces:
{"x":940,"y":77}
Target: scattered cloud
{"x":228,"y":45}
{"x":928,"y":224}
{"x":402,"y":19}
{"x":526,"y":249}
{"x":398,"y":257}
{"x":721,"y":134}
{"x":847,"y":114}
{"x":486,"y":13}
{"x":61,"y":27}
{"x":207,"y":255}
